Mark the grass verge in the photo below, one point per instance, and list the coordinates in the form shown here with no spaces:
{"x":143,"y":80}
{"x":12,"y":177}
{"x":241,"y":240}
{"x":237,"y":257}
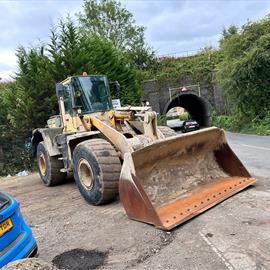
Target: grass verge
{"x":242,"y":124}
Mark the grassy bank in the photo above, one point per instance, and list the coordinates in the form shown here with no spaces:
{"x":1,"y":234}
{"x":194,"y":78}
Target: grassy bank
{"x":243,"y":125}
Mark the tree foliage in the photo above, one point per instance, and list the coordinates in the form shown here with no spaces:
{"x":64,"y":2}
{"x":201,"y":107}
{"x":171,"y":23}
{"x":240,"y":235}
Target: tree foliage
{"x":28,"y":102}
{"x":103,"y":58}
{"x":109,"y":20}
{"x":244,"y":72}
{"x":32,"y":98}
{"x":199,"y":67}
{"x":231,"y":30}
{"x":3,"y":108}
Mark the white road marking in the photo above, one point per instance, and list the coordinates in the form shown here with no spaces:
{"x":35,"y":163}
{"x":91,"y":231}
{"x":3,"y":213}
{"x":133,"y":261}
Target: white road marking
{"x":251,"y":146}
{"x":228,"y":265}
{"x":245,"y":135}
{"x":256,"y":147}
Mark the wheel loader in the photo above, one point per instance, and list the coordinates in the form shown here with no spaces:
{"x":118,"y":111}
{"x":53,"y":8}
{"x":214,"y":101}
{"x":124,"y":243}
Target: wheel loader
{"x":162,"y":178}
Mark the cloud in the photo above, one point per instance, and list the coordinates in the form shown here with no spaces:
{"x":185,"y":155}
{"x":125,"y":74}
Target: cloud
{"x":8,"y":63}
{"x":27,"y":22}
{"x":23,"y":22}
{"x":171,"y":26}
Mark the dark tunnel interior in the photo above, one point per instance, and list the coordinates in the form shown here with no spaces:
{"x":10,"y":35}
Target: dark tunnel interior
{"x":196,"y":106}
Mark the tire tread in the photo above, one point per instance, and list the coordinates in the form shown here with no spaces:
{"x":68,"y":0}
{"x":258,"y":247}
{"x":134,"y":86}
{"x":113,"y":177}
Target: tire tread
{"x":109,"y":164}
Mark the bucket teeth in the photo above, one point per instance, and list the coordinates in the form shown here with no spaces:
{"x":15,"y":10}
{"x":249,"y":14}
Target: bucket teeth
{"x":181,"y":210}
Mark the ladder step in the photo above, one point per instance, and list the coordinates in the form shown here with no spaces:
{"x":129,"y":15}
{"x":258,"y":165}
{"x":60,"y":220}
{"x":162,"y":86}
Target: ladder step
{"x":62,"y":158}
{"x":64,"y":170}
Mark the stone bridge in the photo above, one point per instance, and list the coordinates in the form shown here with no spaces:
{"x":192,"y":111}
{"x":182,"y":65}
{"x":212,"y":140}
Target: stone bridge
{"x":199,"y":101}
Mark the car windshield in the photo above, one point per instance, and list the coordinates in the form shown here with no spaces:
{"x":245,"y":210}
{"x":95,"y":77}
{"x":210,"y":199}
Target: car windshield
{"x":91,"y":93}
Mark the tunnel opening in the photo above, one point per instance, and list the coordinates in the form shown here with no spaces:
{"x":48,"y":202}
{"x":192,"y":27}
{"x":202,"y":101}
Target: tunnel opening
{"x":197,"y":107}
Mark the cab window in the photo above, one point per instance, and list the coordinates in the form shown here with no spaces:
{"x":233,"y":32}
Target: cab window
{"x":67,"y":99}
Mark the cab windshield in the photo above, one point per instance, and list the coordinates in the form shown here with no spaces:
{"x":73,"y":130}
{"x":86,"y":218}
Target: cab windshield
{"x":91,"y":93}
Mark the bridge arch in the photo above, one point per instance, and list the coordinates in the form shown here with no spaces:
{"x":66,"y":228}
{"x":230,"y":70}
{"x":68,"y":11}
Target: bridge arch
{"x":197,"y":107}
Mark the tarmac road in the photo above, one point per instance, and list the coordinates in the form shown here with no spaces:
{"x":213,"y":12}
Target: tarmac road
{"x":233,"y":235}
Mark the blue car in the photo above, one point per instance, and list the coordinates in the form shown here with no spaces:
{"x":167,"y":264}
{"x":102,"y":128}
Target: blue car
{"x":16,"y":238}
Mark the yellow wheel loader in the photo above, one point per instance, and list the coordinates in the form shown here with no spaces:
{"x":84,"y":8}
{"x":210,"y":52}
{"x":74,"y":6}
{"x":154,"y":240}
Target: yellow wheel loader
{"x":163,"y":178}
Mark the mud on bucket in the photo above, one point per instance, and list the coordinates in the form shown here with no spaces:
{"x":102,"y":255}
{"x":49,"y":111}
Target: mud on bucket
{"x":173,"y":180}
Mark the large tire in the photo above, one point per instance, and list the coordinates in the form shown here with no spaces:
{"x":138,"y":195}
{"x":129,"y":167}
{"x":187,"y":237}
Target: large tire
{"x":167,"y":131}
{"x":97,"y":170}
{"x":49,"y":167}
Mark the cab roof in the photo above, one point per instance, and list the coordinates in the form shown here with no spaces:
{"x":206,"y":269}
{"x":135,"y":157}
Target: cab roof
{"x":68,"y":79}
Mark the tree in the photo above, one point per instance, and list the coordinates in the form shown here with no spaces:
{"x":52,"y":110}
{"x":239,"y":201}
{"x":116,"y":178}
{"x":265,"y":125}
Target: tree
{"x":103,"y":58}
{"x":244,"y":71}
{"x":3,"y":108}
{"x":108,"y":20}
{"x":13,"y":155}
{"x":34,"y":90}
{"x":65,"y":52}
{"x":28,"y":102}
{"x":231,"y":30}
{"x":31,"y":100}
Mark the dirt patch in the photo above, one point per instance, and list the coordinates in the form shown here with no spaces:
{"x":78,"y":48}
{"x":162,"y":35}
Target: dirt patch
{"x":164,"y":239}
{"x":80,"y":259}
{"x":27,"y":264}
{"x":175,"y":176}
{"x":62,"y":220}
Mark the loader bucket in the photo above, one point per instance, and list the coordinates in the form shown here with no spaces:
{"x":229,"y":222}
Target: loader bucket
{"x":175,"y":179}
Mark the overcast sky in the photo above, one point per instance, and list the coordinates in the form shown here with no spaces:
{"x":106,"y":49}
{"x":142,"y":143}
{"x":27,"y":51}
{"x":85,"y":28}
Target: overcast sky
{"x":172,"y":26}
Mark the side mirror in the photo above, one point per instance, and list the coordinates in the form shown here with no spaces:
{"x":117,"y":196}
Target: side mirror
{"x":59,"y":89}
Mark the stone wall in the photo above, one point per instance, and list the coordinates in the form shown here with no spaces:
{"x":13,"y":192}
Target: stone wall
{"x":157,"y":93}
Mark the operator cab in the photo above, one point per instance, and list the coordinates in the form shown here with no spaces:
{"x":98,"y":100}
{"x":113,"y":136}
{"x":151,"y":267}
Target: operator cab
{"x":88,"y":94}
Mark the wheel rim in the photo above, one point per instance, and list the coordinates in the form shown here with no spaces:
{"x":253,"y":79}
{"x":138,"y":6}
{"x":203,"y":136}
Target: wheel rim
{"x":85,"y":174}
{"x":42,"y":164}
